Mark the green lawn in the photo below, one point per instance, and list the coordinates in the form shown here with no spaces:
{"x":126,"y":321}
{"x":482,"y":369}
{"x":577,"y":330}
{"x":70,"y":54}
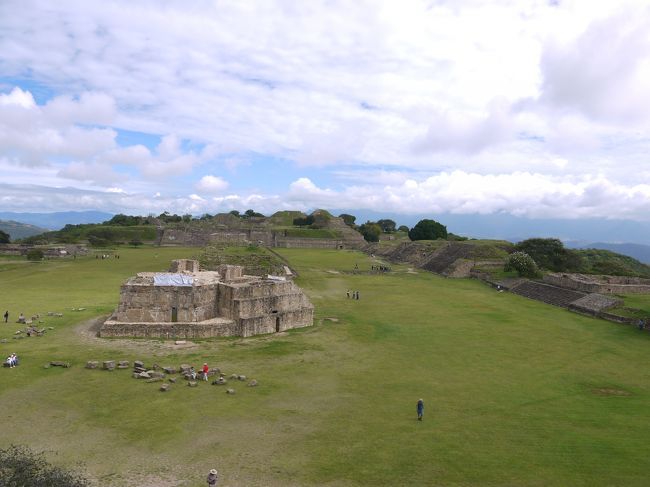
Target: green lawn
{"x":516,"y":393}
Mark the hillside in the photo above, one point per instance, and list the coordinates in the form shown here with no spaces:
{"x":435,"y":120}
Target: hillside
{"x":18,"y":230}
{"x":639,"y":252}
{"x":597,"y":261}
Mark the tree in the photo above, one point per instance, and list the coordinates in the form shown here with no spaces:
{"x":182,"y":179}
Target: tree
{"x":549,"y":253}
{"x":522,"y":263}
{"x":35,"y":254}
{"x":387,"y":226}
{"x":403,"y":228}
{"x":252,"y":213}
{"x":19,"y":466}
{"x":348,"y":219}
{"x":301,"y":222}
{"x":428,"y":230}
{"x":235,"y":213}
{"x":4,"y":237}
{"x":370,"y":231}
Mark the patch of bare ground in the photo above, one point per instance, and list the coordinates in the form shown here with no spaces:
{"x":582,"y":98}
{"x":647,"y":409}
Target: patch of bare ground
{"x":610,"y":392}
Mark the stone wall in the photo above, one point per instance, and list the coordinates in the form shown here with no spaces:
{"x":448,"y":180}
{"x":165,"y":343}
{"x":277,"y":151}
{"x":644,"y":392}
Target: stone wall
{"x":308,"y":243}
{"x":600,"y":284}
{"x":276,"y":322}
{"x":151,"y":304}
{"x":212,"y":328}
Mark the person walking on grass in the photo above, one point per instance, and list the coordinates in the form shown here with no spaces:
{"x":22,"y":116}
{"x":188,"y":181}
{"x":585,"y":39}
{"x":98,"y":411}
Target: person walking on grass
{"x":213,"y":476}
{"x":6,"y":316}
{"x":206,"y":369}
{"x":420,"y":409}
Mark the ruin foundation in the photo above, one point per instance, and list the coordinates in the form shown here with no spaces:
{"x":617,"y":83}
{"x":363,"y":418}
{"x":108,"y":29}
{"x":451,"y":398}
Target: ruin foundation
{"x":190,"y":303}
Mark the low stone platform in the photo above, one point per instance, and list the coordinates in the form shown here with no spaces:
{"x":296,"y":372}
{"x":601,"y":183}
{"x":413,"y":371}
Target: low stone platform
{"x":216,"y":327}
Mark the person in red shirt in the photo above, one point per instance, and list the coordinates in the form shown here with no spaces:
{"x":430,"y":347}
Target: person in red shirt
{"x":206,"y":369}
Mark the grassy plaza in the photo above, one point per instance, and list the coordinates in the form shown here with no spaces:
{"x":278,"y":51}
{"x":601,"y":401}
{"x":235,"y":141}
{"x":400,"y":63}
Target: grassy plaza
{"x":517,"y":393}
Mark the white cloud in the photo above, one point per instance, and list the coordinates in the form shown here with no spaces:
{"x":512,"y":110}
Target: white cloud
{"x":523,"y":107}
{"x":212,"y":184}
{"x":603,"y":72}
{"x":18,"y":97}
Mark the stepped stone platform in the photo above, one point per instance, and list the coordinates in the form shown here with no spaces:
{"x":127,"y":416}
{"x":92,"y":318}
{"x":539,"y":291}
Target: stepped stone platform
{"x":189,"y":303}
{"x":595,"y":303}
{"x":546,"y":293}
{"x":445,"y":257}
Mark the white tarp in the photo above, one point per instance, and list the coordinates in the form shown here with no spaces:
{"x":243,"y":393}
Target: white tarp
{"x":276,"y":278}
{"x":172,"y":280}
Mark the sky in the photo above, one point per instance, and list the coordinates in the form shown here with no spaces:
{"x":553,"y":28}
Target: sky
{"x":535,"y":109}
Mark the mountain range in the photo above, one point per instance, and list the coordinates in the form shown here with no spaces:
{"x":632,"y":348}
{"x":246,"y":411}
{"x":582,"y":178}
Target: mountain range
{"x":57,"y":220}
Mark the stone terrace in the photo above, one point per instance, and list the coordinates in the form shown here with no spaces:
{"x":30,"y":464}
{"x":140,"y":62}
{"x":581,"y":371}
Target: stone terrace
{"x":546,"y":293}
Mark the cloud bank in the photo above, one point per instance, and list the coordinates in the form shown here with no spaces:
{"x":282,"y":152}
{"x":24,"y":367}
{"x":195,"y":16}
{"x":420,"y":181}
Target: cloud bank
{"x":532,"y":108}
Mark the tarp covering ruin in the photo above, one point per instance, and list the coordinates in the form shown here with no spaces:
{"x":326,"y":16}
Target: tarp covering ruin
{"x":172,"y":280}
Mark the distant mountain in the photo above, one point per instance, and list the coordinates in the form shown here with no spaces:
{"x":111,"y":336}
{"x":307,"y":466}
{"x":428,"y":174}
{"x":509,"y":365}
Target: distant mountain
{"x":58,"y":220}
{"x":502,"y":226}
{"x":638,"y":251}
{"x":18,"y":230}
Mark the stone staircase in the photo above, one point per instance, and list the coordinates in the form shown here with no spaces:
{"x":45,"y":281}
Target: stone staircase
{"x":546,"y":293}
{"x":443,"y":258}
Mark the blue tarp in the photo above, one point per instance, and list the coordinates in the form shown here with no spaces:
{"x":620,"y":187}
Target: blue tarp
{"x":172,"y":280}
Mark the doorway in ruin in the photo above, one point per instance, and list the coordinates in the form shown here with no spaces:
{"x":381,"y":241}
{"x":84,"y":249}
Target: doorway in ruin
{"x":174,"y":314}
{"x":277,"y":324}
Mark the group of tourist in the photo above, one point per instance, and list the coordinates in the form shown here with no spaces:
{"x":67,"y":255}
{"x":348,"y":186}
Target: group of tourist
{"x":381,"y":268}
{"x":12,"y":360}
{"x":107,"y":256}
{"x":204,"y":372}
{"x":352,"y":294}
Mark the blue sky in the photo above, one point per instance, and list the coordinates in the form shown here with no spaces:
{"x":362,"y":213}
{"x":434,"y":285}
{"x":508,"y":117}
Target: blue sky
{"x":529,"y":108}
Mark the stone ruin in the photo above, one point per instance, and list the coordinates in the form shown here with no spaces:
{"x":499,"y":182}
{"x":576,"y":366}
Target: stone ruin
{"x":599,"y":283}
{"x":187,"y":302}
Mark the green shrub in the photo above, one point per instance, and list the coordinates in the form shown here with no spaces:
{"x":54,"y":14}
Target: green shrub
{"x":522,"y":263}
{"x":35,"y":254}
{"x":19,"y":466}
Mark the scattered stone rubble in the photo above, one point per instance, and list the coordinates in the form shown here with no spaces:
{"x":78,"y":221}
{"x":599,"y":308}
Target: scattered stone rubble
{"x":157,"y":373}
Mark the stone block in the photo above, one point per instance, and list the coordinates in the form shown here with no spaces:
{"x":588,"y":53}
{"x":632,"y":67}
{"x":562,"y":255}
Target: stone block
{"x":92,"y":364}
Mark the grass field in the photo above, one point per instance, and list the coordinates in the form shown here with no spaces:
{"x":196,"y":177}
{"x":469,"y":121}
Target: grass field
{"x":516,"y":393}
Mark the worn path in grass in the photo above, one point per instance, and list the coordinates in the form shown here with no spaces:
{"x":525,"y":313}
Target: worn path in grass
{"x":516,"y":392}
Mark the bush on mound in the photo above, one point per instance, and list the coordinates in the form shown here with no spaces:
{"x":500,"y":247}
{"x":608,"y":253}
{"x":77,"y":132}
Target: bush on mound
{"x":20,"y":466}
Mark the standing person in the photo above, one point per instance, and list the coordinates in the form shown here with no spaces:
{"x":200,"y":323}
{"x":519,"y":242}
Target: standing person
{"x":206,"y":369}
{"x":213,"y":476}
{"x":348,"y":293}
{"x":420,"y":409}
{"x":6,"y":315}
